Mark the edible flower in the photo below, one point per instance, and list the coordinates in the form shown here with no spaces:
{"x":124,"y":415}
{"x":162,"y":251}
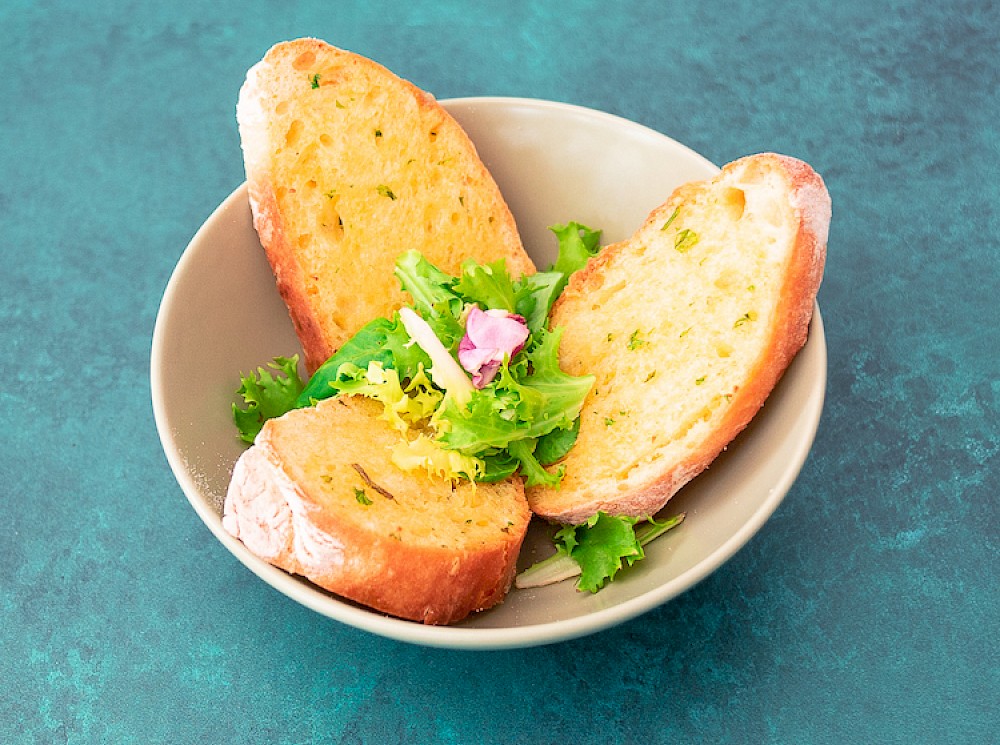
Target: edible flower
{"x":490,"y":336}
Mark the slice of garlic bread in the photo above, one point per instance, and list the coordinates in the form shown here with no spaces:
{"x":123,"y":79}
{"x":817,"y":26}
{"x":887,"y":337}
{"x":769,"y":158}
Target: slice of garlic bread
{"x":687,"y":325}
{"x":347,"y":167}
{"x":318,"y":495}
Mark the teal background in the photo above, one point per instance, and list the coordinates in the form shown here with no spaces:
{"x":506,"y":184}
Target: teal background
{"x":866,"y":611}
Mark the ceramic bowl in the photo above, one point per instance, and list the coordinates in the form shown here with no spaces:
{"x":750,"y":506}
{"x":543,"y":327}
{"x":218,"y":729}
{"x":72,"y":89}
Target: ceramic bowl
{"x":221,"y":315}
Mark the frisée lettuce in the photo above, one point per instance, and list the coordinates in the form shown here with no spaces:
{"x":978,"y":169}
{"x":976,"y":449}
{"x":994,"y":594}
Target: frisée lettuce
{"x":522,"y":413}
{"x":470,"y":378}
{"x":596,"y":550}
{"x":267,"y":395}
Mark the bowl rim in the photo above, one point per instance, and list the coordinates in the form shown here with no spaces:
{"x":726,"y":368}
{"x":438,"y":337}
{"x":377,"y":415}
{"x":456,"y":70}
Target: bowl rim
{"x":465,"y":637}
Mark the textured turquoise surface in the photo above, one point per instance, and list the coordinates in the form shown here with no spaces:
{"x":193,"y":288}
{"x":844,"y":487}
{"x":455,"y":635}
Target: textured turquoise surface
{"x":867,"y":610}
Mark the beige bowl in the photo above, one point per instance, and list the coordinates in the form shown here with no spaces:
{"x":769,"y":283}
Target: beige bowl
{"x":221,"y":315}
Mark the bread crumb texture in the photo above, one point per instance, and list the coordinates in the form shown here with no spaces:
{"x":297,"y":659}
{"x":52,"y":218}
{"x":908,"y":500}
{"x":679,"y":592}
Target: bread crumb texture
{"x":318,"y":495}
{"x":349,"y":166}
{"x":675,"y":323}
{"x":342,"y":456}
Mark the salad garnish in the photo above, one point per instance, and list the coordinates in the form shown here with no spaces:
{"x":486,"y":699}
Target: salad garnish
{"x":491,"y":336}
{"x":469,"y":373}
{"x":267,"y":396}
{"x":470,"y":377}
{"x":595,"y":551}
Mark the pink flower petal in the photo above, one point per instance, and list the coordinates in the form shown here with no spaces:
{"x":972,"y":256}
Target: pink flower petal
{"x":486,"y":329}
{"x":473,"y":358}
{"x":485,"y":375}
{"x":489,"y":337}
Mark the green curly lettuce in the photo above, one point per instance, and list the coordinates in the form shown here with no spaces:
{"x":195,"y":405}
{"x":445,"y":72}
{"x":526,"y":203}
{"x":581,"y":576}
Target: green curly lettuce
{"x":525,"y":420}
{"x":596,"y":550}
{"x":267,"y":395}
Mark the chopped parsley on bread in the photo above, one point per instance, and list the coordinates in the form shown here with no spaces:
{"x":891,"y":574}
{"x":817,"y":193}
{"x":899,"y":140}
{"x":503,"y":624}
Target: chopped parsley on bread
{"x":687,"y":326}
{"x":349,"y":166}
{"x":318,"y":495}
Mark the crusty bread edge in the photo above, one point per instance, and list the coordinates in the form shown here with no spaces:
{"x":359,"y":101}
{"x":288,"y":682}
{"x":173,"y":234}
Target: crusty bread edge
{"x":428,"y":584}
{"x":267,"y":219}
{"x":811,"y":201}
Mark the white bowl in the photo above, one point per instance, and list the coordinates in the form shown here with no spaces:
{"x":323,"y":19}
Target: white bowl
{"x":222,"y":315}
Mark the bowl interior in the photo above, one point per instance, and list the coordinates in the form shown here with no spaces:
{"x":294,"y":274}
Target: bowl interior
{"x":221,"y":315}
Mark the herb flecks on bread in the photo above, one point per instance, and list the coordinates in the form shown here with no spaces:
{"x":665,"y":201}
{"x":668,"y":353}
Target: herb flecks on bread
{"x":318,"y":495}
{"x":687,"y":326}
{"x":348,"y":166}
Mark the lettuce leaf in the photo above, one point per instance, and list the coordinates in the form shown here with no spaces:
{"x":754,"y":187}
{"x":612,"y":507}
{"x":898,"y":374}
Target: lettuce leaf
{"x":433,"y":296}
{"x":488,"y":285}
{"x":526,"y":418}
{"x":384,"y":341}
{"x":560,"y":395}
{"x":596,"y":551}
{"x":556,"y":444}
{"x":497,"y":465}
{"x":534,"y":295}
{"x":526,"y":401}
{"x":267,"y":396}
{"x":601,"y":546}
{"x":405,"y":404}
{"x":577,"y":244}
{"x":531,"y":468}
{"x":430,"y":288}
{"x":425,"y":452}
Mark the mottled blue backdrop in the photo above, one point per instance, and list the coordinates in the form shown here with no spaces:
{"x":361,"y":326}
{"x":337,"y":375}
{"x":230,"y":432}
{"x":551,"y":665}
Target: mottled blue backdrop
{"x":866,"y":611}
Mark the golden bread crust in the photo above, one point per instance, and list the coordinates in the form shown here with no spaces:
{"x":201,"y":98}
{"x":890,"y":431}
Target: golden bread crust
{"x":780,"y":208}
{"x":427,"y":553}
{"x":347,"y":167}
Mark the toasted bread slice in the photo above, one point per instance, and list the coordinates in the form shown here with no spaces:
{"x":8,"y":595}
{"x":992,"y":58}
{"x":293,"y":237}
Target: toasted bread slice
{"x":318,"y":495}
{"x":687,"y":326}
{"x":347,"y":167}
